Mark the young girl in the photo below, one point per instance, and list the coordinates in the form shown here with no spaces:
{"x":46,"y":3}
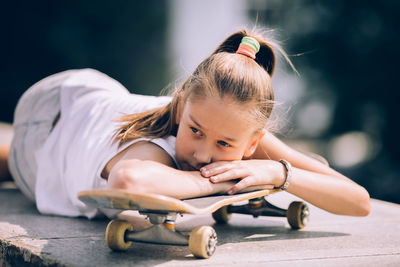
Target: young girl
{"x":72,"y":133}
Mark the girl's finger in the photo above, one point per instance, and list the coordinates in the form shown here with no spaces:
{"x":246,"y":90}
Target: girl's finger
{"x":246,"y":182}
{"x":230,"y":174}
{"x":216,"y":168}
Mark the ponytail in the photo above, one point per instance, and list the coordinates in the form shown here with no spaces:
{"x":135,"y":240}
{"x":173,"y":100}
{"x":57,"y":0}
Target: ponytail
{"x":265,"y":56}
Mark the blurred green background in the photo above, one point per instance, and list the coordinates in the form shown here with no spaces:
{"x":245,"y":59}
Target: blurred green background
{"x":343,"y":105}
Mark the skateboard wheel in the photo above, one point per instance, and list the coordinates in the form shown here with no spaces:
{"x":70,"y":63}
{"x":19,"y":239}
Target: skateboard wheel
{"x":115,"y":235}
{"x":222,"y":215}
{"x":297,"y":215}
{"x":203,"y":242}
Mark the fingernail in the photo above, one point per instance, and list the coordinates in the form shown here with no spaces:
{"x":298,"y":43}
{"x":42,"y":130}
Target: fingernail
{"x":230,"y":192}
{"x":213,"y":178}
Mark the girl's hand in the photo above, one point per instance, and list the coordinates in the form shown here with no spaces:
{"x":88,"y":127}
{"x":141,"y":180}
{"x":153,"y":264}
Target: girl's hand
{"x":252,"y":174}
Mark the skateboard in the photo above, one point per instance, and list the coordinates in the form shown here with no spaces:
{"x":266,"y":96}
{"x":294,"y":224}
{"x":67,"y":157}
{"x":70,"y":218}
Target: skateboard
{"x":162,"y":212}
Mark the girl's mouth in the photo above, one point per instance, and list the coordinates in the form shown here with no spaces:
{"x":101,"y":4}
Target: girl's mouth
{"x":191,"y":168}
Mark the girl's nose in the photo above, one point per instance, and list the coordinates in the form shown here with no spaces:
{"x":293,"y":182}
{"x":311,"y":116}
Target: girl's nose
{"x":202,"y":155}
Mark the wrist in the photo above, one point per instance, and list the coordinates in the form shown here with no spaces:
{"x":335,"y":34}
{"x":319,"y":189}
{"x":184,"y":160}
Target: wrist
{"x":279,"y":174}
{"x":284,"y":176}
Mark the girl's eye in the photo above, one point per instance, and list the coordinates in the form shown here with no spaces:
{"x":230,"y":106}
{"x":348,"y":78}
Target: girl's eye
{"x":224,"y":144}
{"x":194,"y":130}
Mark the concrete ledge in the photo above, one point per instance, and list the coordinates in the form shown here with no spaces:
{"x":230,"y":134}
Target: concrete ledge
{"x":30,"y":239}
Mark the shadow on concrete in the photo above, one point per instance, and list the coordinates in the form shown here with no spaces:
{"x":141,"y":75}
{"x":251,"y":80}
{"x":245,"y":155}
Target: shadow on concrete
{"x":239,"y":234}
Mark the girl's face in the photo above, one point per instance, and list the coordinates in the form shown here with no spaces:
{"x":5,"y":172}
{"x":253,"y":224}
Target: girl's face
{"x":213,"y":129}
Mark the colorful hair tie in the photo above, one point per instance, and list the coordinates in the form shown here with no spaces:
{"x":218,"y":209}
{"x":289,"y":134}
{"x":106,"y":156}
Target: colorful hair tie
{"x":248,"y":47}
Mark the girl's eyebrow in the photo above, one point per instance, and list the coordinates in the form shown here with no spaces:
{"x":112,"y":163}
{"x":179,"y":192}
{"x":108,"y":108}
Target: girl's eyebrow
{"x":201,"y":127}
{"x":195,"y":122}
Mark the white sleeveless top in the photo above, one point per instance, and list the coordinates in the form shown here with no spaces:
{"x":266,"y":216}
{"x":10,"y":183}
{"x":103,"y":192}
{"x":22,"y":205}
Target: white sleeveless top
{"x":78,"y":148}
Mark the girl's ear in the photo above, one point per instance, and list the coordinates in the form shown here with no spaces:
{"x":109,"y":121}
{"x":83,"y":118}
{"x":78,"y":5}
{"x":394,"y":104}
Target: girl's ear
{"x":254,"y":144}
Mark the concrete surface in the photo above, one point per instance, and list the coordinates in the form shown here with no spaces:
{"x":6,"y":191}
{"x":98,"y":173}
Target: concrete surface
{"x":30,"y":239}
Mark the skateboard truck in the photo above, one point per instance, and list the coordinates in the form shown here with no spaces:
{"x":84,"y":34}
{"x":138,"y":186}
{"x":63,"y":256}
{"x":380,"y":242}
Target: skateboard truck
{"x":161,"y":232}
{"x":297,"y":213}
{"x":202,"y":240}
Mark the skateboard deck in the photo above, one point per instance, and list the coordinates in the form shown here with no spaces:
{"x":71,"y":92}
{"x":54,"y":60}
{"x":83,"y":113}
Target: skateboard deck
{"x":162,"y":211}
{"x":123,"y":200}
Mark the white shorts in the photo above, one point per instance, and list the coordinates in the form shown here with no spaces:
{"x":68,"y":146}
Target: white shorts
{"x":34,"y":116}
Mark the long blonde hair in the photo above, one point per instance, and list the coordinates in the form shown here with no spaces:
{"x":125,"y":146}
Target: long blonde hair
{"x":223,"y":73}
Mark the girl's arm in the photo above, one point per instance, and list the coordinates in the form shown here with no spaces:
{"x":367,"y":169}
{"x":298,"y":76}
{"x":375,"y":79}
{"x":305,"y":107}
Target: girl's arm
{"x":145,"y":167}
{"x":311,"y":180}
{"x":4,"y":171}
